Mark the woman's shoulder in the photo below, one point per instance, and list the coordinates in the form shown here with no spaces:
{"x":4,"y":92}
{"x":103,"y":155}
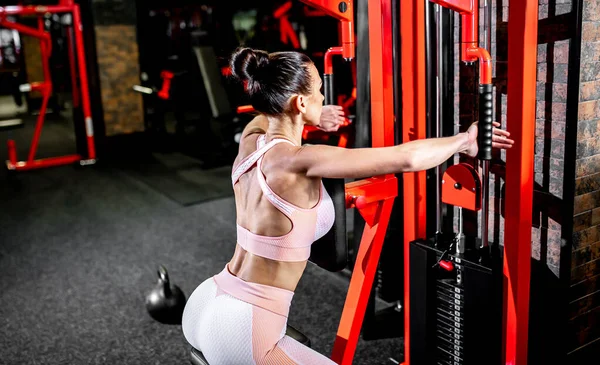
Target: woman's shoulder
{"x":246,"y":147}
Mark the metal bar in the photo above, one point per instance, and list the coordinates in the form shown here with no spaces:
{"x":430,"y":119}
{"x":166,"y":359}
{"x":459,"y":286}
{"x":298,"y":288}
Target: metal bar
{"x":484,"y":140}
{"x":342,"y":10}
{"x":485,"y":203}
{"x":24,"y":29}
{"x":85,"y":95}
{"x":328,"y":82}
{"x":412,"y":29}
{"x":46,"y":51}
{"x":73,"y":63}
{"x":44,"y":87}
{"x":382,"y":78}
{"x":431,"y":107}
{"x":361,"y":283}
{"x":439,"y":117}
{"x":328,"y":59}
{"x":522,"y":53}
{"x":45,"y":162}
{"x":469,"y":12}
{"x":12,"y":152}
{"x":487,"y":25}
{"x":39,"y":124}
{"x":32,"y":10}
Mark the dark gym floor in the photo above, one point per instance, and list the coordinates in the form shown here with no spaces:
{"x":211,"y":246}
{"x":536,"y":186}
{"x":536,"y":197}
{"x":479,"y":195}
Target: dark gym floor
{"x":79,"y":249}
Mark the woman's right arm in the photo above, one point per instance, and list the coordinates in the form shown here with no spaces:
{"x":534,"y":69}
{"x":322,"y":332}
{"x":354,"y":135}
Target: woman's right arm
{"x":335,"y":162}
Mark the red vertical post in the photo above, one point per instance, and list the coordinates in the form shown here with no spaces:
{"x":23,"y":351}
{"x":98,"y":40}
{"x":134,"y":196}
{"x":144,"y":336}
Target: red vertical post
{"x":382,"y":73}
{"x":73,"y":62}
{"x":522,"y":53}
{"x":85,"y":94}
{"x":44,"y":87}
{"x":412,"y":29}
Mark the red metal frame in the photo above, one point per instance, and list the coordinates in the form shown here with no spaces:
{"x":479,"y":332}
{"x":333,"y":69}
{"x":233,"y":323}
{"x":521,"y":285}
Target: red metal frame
{"x":412,"y":27}
{"x":328,"y":59}
{"x":373,"y":197}
{"x":286,"y":31}
{"x":519,"y":178}
{"x":522,"y":54}
{"x":45,"y":87}
{"x":342,"y":10}
{"x":470,"y":50}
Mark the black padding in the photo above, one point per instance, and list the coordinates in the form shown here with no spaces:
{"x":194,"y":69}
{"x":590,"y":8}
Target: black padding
{"x":331,"y":251}
{"x":11,"y":124}
{"x":198,"y":359}
{"x":211,"y":77}
{"x":297,"y":335}
{"x":328,"y":87}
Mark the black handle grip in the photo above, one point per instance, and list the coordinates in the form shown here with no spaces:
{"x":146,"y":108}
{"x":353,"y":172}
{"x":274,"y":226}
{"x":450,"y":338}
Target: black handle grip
{"x":328,"y":89}
{"x":485,"y":126}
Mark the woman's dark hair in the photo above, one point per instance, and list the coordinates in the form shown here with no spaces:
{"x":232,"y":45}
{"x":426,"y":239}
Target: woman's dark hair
{"x":270,"y":79}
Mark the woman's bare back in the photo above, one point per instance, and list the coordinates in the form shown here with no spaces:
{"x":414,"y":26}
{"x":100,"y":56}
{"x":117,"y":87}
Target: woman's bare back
{"x":258,"y":215}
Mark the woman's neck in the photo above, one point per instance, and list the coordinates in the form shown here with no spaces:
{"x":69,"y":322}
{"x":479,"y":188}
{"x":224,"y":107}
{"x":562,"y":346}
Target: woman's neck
{"x":286,"y":127}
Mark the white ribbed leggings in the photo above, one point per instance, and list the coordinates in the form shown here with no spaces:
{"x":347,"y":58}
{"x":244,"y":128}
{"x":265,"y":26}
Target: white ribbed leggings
{"x":234,"y":322}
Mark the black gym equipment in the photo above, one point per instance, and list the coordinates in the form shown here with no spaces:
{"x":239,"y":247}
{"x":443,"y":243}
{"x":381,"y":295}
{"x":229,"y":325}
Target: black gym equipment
{"x":448,"y":304}
{"x":165,"y":303}
{"x":455,"y":280}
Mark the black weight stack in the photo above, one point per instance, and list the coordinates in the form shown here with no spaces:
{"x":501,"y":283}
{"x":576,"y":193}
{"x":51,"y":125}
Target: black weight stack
{"x":455,"y":312}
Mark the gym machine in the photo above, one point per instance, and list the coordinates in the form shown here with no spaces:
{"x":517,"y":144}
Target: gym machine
{"x":71,"y":17}
{"x":456,"y":308}
{"x":478,"y":288}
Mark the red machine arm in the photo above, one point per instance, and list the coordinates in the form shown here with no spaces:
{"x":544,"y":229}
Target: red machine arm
{"x":342,"y":10}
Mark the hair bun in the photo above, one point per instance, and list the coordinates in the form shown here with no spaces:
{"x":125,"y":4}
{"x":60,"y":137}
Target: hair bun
{"x":247,"y":64}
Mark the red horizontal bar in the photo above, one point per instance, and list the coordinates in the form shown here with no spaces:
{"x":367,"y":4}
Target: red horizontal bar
{"x":245,"y":109}
{"x":33,"y":32}
{"x":460,"y":6}
{"x":373,"y":189}
{"x":30,"y":10}
{"x":44,"y":162}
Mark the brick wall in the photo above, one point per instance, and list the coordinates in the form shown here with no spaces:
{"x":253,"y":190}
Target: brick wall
{"x":118,"y":64}
{"x":584,"y":293}
{"x":119,"y":70}
{"x":33,"y":61}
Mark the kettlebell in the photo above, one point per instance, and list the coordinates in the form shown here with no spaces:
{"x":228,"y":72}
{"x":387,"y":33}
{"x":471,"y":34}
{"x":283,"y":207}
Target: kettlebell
{"x":165,"y":303}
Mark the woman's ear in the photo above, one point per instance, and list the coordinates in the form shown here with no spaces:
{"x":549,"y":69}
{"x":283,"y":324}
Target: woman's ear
{"x":300,"y":102}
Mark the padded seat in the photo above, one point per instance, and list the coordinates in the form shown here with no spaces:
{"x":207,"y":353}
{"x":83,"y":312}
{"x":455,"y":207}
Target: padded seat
{"x":198,"y":359}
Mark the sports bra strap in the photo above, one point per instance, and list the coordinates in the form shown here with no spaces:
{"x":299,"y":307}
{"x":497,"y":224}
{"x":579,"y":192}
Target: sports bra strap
{"x":252,"y":158}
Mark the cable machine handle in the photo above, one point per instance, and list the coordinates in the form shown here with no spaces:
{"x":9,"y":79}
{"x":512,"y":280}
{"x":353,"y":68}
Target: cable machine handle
{"x":485,"y":125}
{"x":328,"y":90}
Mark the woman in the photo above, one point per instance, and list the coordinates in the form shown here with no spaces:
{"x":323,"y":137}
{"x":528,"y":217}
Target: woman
{"x":239,"y":316}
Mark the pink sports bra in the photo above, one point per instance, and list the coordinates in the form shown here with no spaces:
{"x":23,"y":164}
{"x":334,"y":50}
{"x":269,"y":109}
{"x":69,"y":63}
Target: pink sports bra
{"x":308,"y":225}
